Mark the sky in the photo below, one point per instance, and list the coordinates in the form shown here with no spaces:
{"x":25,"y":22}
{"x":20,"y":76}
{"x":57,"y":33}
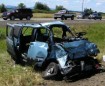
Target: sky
{"x":76,"y":5}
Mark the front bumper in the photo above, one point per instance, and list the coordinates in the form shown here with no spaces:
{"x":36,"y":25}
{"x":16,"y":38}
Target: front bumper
{"x":77,"y":70}
{"x":5,"y":17}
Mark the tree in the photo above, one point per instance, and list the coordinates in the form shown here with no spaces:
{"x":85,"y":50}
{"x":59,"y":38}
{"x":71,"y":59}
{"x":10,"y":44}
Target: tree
{"x":60,"y":7}
{"x":21,"y":5}
{"x":41,"y":6}
{"x":2,"y":8}
{"x":88,"y":11}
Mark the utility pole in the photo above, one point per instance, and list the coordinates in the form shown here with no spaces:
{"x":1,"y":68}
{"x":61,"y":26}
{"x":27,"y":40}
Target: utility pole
{"x":82,"y":6}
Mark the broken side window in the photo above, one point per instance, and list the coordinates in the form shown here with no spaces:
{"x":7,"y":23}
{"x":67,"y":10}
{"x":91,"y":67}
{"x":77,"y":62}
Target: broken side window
{"x":16,"y":31}
{"x":27,"y":31}
{"x":57,"y":32}
{"x":10,"y":32}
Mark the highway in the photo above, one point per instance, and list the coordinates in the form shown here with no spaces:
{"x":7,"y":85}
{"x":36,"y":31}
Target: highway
{"x":39,"y":20}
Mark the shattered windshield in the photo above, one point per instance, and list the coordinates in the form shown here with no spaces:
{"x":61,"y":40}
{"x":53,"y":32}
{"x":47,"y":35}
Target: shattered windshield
{"x":60,"y":32}
{"x":27,"y":31}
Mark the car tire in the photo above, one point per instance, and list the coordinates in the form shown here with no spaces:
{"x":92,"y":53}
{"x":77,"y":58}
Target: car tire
{"x":65,"y":18}
{"x":21,"y":18}
{"x":28,"y":17}
{"x":5,"y":18}
{"x":72,"y":18}
{"x":51,"y":71}
{"x":55,"y":17}
{"x":62,"y":17}
{"x":95,"y":18}
{"x":12,"y":18}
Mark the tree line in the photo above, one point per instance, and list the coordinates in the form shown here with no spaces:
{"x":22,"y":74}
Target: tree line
{"x":2,"y":8}
{"x":43,"y":8}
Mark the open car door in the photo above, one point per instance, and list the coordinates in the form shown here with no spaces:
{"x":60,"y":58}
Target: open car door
{"x":12,"y":39}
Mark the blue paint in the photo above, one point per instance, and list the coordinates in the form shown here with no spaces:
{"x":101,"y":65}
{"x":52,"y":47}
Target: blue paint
{"x":37,"y":50}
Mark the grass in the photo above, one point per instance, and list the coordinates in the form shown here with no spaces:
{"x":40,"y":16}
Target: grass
{"x":42,"y":15}
{"x":95,"y":33}
{"x":16,"y":75}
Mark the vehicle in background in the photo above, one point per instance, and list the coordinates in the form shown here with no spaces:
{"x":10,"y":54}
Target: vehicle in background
{"x":82,"y":16}
{"x":64,"y":14}
{"x":65,"y":54}
{"x":95,"y":16}
{"x":79,"y":16}
{"x":18,"y":13}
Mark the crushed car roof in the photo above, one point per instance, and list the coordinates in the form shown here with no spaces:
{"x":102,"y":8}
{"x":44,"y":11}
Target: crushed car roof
{"x":36,"y":25}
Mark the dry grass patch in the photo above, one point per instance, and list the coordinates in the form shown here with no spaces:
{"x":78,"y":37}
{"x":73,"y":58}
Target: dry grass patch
{"x":16,"y":75}
{"x":42,"y":15}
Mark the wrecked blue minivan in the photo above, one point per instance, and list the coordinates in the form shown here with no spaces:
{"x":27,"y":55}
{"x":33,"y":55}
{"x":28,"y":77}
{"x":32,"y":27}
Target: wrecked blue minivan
{"x":51,"y":47}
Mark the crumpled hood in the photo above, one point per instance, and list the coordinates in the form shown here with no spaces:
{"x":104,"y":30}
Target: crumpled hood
{"x":81,"y":48}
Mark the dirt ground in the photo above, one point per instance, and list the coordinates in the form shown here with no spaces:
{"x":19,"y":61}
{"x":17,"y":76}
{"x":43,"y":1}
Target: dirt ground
{"x":97,"y":79}
{"x":40,"y":20}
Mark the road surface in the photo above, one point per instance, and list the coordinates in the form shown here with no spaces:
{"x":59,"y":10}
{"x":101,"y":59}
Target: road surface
{"x":39,"y":20}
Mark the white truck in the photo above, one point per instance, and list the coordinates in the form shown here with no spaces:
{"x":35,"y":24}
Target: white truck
{"x":64,"y":14}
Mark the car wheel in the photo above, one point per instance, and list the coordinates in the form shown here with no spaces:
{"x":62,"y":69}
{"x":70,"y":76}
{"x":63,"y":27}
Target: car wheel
{"x":5,"y":18}
{"x":21,"y":18}
{"x":62,"y":17}
{"x":55,"y":18}
{"x":28,"y":18}
{"x":51,"y":71}
{"x":72,"y":18}
{"x":12,"y":18}
{"x":65,"y":18}
{"x":95,"y":18}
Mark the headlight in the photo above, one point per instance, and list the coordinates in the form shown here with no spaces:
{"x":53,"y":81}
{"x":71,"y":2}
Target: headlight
{"x":91,"y":50}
